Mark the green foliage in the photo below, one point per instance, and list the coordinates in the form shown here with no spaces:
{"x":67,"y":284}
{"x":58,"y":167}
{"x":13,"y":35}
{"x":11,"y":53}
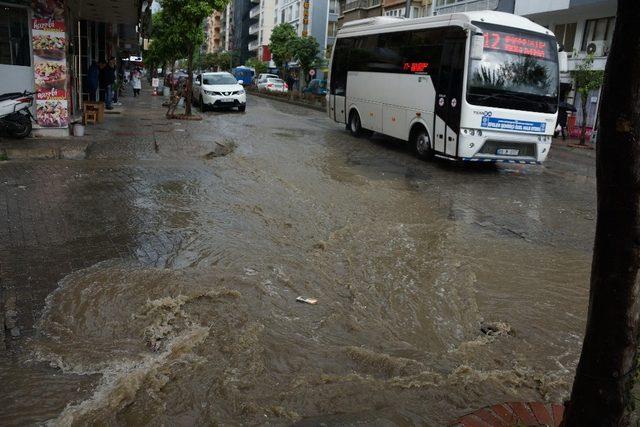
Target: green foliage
{"x":259,"y":66}
{"x":280,"y":44}
{"x":228,"y":59}
{"x":183,"y":30}
{"x":210,"y":61}
{"x":587,"y":79}
{"x":306,"y":51}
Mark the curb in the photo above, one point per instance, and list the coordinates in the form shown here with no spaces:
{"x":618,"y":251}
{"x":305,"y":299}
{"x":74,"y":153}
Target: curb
{"x":523,"y":414}
{"x":287,"y":101}
{"x":34,"y":150}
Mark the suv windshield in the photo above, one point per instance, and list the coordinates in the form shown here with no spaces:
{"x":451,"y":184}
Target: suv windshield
{"x":518,"y":70}
{"x":219,"y":79}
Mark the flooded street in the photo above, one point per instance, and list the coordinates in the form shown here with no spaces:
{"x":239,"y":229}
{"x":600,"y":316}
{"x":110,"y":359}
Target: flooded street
{"x":156,"y":281}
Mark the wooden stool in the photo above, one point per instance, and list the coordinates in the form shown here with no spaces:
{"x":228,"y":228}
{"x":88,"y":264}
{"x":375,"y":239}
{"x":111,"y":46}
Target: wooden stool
{"x":99,"y":107}
{"x":90,"y":116}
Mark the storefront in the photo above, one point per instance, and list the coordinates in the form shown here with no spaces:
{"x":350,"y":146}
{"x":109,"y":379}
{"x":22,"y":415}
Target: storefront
{"x":47,"y":46}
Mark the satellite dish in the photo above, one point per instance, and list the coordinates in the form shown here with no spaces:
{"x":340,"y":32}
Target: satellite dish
{"x":591,"y":48}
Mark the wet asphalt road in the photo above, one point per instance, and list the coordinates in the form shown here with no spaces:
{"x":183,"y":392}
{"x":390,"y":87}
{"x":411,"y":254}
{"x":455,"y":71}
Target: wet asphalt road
{"x":173,"y":255}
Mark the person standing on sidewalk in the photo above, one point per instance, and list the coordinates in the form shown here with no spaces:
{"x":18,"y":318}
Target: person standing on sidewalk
{"x":93,"y":76}
{"x":562,"y":122}
{"x":136,"y":82}
{"x":107,"y":79}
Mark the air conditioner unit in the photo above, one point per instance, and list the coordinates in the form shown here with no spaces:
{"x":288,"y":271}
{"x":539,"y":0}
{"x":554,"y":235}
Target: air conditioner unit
{"x":598,"y":48}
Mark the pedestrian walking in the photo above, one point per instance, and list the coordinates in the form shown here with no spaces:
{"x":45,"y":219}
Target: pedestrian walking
{"x":93,"y":76}
{"x":562,"y":121}
{"x":136,"y":82}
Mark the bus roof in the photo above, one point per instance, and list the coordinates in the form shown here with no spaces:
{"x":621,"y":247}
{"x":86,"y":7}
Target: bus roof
{"x":463,"y":19}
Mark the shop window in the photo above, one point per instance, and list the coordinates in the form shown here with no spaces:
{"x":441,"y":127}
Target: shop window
{"x":598,"y":29}
{"x":14,"y":36}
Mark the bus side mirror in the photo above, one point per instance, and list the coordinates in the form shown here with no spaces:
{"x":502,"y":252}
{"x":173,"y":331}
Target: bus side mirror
{"x":477,"y":47}
{"x":563,"y":62}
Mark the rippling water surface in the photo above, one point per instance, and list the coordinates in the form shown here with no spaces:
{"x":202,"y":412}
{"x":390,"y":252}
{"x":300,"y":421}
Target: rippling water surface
{"x":407,"y":260}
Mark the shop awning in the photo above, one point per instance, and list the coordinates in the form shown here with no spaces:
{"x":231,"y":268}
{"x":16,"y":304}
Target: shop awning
{"x":109,"y":11}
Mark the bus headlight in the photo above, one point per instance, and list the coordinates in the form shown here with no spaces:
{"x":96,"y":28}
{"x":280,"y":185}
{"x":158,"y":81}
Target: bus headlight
{"x":472,"y":132}
{"x":479,"y":132}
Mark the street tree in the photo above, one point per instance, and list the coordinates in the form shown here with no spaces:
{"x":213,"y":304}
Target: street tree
{"x":259,"y":66}
{"x":210,"y":61}
{"x":306,"y":51}
{"x":187,"y":17}
{"x":162,"y":50}
{"x":281,"y":46}
{"x":587,"y":80}
{"x":608,"y":366}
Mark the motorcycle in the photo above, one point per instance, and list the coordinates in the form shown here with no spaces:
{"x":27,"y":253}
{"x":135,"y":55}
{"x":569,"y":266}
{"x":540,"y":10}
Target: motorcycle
{"x":15,"y":113}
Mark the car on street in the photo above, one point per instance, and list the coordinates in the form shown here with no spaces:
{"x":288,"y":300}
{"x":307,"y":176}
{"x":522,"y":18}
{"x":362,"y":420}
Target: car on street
{"x":219,"y":90}
{"x":316,"y":87}
{"x":264,"y":76}
{"x":273,"y":85}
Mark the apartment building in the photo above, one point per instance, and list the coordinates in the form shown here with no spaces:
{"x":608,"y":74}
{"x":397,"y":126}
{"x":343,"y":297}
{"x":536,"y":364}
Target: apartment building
{"x":213,"y":30}
{"x":352,"y":10}
{"x":262,"y":18}
{"x":308,"y":17}
{"x":442,"y":7}
{"x":226,"y":27}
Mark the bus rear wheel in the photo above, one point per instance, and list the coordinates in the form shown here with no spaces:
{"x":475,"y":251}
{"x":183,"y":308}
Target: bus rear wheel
{"x":422,"y":143}
{"x":355,"y":126}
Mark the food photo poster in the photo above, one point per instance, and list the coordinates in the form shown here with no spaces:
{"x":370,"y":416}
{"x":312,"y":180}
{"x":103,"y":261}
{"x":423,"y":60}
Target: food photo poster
{"x":50,"y":64}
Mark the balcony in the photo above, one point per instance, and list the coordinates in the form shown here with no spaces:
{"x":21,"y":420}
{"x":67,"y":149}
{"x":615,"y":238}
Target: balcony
{"x":254,"y":29}
{"x":361,"y":4}
{"x":255,"y":12}
{"x":254,"y":45}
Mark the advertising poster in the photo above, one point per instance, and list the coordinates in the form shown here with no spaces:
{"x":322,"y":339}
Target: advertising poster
{"x":50,"y":65}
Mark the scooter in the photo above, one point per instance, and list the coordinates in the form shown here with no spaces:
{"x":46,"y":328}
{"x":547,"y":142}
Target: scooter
{"x":15,"y":113}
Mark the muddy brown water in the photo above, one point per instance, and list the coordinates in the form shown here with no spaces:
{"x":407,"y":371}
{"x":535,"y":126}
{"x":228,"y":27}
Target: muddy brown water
{"x":406,"y":259}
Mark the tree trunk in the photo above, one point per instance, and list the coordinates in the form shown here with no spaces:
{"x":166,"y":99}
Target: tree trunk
{"x":583,"y":125}
{"x":604,"y":378}
{"x":189,"y":94}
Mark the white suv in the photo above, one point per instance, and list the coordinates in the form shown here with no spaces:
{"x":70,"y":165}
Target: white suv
{"x":219,"y":90}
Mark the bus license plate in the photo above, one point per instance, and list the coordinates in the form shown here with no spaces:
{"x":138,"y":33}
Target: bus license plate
{"x":507,"y":152}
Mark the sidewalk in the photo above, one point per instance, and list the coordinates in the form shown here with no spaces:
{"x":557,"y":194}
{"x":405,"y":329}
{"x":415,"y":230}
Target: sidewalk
{"x":134,"y":118}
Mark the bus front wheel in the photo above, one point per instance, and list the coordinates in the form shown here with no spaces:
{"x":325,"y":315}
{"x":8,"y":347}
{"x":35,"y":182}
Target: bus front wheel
{"x":422,"y":143}
{"x":355,"y":126}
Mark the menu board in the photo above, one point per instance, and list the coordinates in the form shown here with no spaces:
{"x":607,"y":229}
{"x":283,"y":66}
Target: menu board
{"x":50,"y":64}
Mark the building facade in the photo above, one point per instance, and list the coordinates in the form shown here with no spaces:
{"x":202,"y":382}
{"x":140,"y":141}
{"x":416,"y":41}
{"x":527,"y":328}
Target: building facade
{"x":213,"y":30}
{"x":442,"y":7}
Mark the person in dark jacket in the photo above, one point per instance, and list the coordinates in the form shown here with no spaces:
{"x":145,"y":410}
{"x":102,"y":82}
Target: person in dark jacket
{"x":107,"y":79}
{"x":562,"y":121}
{"x":93,"y":76}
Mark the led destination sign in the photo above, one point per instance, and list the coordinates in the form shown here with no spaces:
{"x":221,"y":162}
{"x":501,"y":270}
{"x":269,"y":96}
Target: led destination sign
{"x":517,"y":44}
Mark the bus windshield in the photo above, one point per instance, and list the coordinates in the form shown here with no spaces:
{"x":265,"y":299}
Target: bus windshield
{"x":518,"y":70}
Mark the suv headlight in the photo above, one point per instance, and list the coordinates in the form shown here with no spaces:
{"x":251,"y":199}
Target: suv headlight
{"x":208,"y":92}
{"x":241,"y":92}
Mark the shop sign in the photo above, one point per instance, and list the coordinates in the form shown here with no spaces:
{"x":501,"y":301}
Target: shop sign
{"x":50,"y":65}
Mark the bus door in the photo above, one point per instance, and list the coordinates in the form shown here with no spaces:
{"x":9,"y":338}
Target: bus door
{"x":338,"y":79}
{"x":449,"y":93}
